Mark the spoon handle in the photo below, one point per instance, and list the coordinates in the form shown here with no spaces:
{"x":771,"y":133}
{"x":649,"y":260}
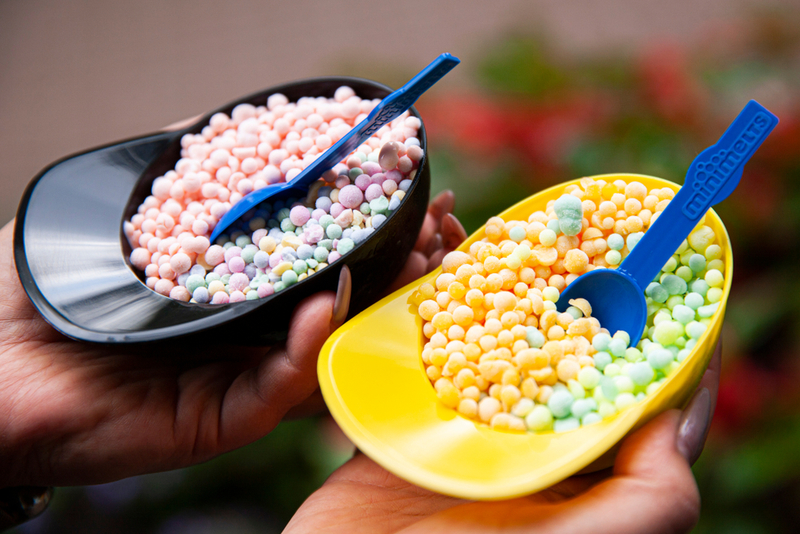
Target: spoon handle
{"x":712,"y":176}
{"x":391,"y":107}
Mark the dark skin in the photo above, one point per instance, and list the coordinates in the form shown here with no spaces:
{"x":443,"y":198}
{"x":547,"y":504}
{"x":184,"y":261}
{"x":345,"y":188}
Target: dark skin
{"x":74,"y":413}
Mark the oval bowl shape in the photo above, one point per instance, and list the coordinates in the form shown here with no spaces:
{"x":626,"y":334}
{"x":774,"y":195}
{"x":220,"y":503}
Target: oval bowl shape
{"x":374,"y":383}
{"x":72,"y":256}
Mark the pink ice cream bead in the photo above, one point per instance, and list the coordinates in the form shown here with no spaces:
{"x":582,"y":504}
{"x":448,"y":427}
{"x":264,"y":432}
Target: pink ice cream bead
{"x":258,"y":235}
{"x":389,"y":187}
{"x":299,"y":215}
{"x":314,"y":233}
{"x":236,"y":264}
{"x":363,"y":181}
{"x":265,"y":290}
{"x":373,"y":191}
{"x":333,"y":256}
{"x":222,"y":269}
{"x":395,"y":175}
{"x":232,"y":253}
{"x":317,"y":214}
{"x":274,"y":260}
{"x":336,"y":209}
{"x":345,"y":219}
{"x":220,"y":297}
{"x":239,"y":281}
{"x":378,"y":178}
{"x":140,"y":258}
{"x":351,"y":196}
{"x":370,"y":168}
{"x":164,"y":287}
{"x":180,"y":263}
{"x":236,"y":296}
{"x":180,"y":293}
{"x":342,"y":181}
{"x":214,"y":255}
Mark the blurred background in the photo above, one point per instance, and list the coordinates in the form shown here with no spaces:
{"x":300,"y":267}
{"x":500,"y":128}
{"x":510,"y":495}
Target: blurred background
{"x":547,"y":91}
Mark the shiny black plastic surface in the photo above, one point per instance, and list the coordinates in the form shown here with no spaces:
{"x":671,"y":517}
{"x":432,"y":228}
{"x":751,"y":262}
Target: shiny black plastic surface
{"x":72,"y":257}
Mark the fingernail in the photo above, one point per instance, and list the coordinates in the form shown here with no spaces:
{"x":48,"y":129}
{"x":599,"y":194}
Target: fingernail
{"x":443,"y":203}
{"x":434,"y":243}
{"x":694,"y":425}
{"x":342,"y":303}
{"x":453,"y":233}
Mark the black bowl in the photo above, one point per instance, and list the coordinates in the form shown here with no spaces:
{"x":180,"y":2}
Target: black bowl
{"x":72,"y":256}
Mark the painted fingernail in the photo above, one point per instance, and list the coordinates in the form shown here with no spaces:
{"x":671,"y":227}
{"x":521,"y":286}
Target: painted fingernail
{"x":434,"y":243}
{"x":342,"y":303}
{"x":694,"y":425}
{"x":453,"y":233}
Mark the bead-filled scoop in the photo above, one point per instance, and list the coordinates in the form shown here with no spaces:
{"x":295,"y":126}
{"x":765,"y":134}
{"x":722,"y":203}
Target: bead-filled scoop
{"x":617,"y":296}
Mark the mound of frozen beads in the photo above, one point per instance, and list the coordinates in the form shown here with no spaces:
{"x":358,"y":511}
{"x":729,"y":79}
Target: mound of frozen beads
{"x":284,"y":242}
{"x":499,"y":352}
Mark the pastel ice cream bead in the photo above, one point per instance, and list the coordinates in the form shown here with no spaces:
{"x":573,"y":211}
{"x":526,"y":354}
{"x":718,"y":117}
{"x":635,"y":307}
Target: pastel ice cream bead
{"x":336,"y":209}
{"x":299,"y":215}
{"x":333,"y":256}
{"x":351,"y":196}
{"x":373,"y":192}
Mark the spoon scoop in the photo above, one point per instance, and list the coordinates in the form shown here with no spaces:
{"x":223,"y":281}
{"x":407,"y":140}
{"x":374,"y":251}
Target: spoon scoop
{"x":617,"y":296}
{"x":386,"y":111}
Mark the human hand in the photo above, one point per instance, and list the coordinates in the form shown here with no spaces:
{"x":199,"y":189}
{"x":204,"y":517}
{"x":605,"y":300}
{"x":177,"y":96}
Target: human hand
{"x":650,"y":489}
{"x":76,"y":413}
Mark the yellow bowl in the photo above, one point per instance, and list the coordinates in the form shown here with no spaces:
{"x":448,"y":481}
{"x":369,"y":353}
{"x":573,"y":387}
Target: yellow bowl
{"x":374,"y":383}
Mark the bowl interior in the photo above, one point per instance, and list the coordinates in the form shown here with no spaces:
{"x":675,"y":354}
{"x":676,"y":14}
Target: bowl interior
{"x":374,"y":384}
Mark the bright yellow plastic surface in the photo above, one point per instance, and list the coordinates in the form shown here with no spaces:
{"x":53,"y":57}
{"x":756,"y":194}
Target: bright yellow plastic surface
{"x":373,"y":380}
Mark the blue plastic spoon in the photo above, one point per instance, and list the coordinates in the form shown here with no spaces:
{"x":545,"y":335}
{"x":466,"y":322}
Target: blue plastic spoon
{"x":386,"y":111}
{"x":617,"y":296}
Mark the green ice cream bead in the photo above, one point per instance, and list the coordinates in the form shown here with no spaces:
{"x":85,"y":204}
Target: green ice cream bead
{"x":667,"y":332}
{"x":633,"y":354}
{"x":641,"y":373}
{"x":539,"y":419}
{"x":613,"y":257}
{"x":657,"y":292}
{"x":718,"y":265}
{"x":714,"y":278}
{"x":517,"y":234}
{"x":684,"y":272}
{"x":591,"y":418}
{"x":566,"y":424}
{"x":683,"y":314}
{"x":675,"y":285}
{"x":714,"y":294}
{"x":606,"y":409}
{"x":671,"y":265}
{"x":713,"y":252}
{"x":704,"y":312}
{"x":560,"y":403}
{"x":700,"y":287}
{"x":659,"y":359}
{"x":602,"y":359}
{"x":601,"y":341}
{"x":615,"y":242}
{"x":534,"y":337}
{"x":697,"y":262}
{"x":674,"y":301}
{"x":589,"y":377}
